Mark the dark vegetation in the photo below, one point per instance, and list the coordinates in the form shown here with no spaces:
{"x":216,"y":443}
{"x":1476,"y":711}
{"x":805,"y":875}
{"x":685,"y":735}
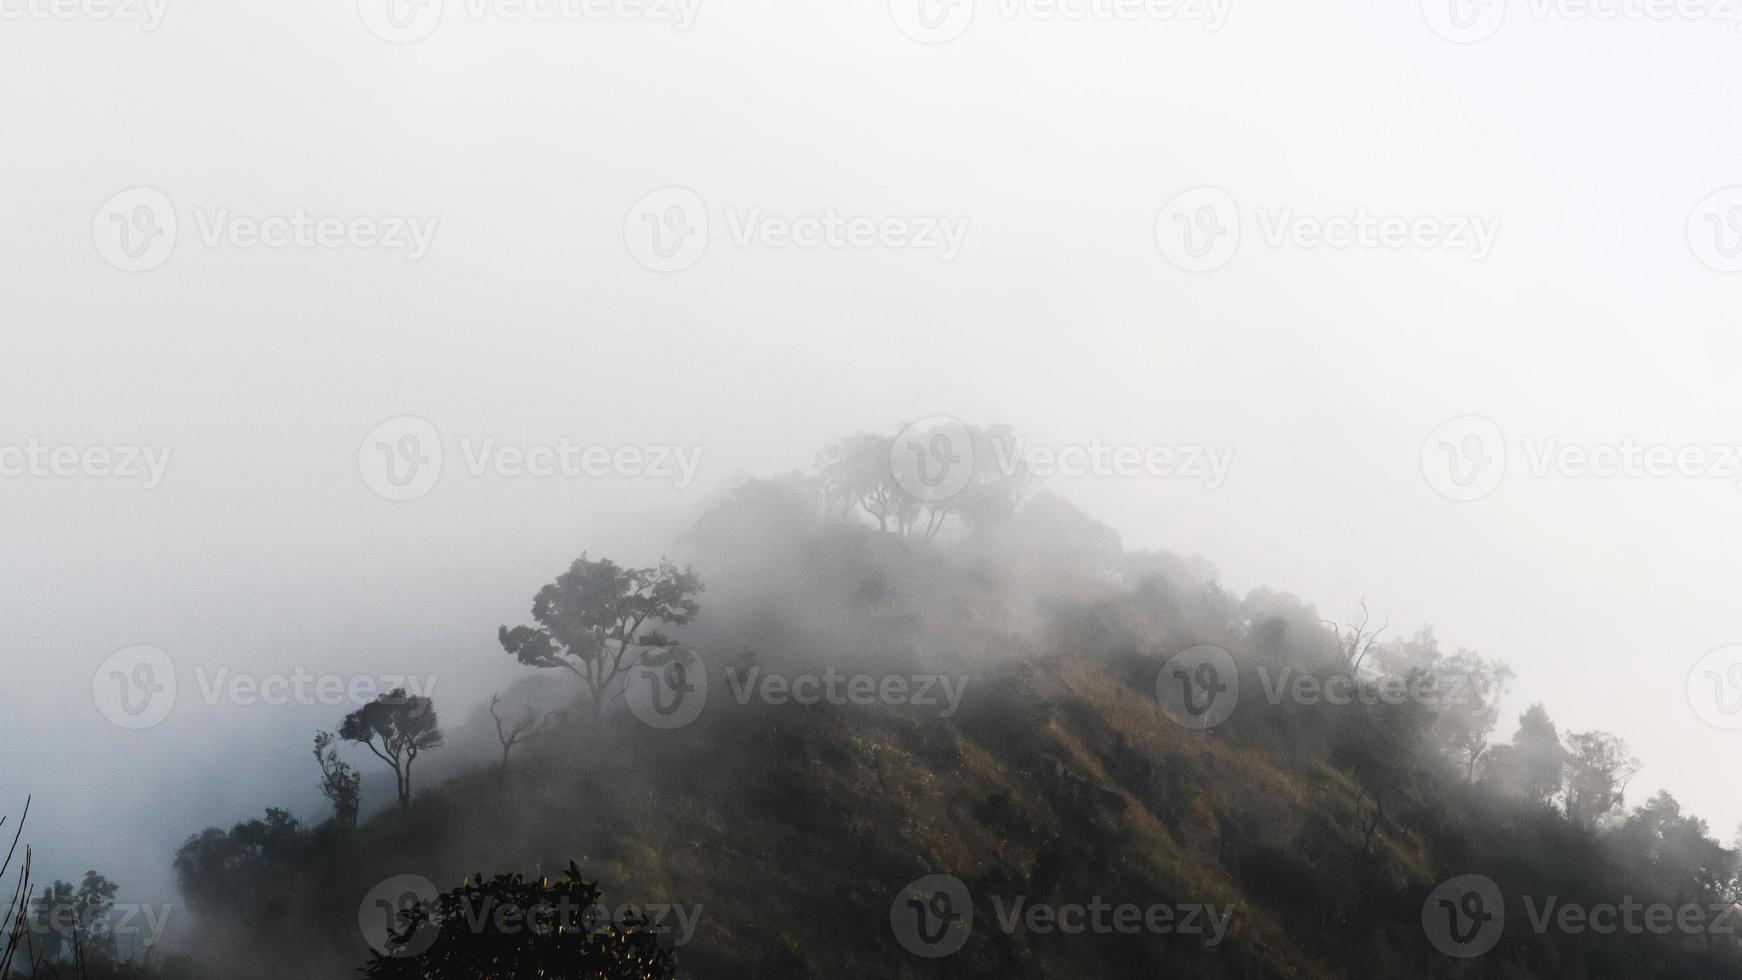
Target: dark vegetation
{"x":1060,"y":778}
{"x":551,"y":931}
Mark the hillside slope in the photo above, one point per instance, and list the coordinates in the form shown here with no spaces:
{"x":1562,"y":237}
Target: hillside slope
{"x":1294,"y":840}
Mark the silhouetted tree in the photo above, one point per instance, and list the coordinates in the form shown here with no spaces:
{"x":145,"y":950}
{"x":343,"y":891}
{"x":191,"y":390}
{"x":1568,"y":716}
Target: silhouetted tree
{"x":396,"y":727}
{"x":1533,"y":766}
{"x":1471,"y":688}
{"x":1356,"y":639}
{"x":1597,"y":772}
{"x":590,"y":620}
{"x":1671,"y":858}
{"x":511,"y":732}
{"x":997,"y":479}
{"x":234,"y":874}
{"x":856,"y":473}
{"x":860,"y":472}
{"x":15,"y":919}
{"x":340,"y":783}
{"x":67,"y":917}
{"x":1382,"y":749}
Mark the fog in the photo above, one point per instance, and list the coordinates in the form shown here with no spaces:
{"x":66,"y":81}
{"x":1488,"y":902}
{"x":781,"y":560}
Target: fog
{"x":1050,"y":147}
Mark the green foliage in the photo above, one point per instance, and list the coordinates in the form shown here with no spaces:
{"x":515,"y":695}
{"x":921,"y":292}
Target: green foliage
{"x":511,"y":926}
{"x":1324,"y":824}
{"x":397,"y":727}
{"x":239,"y":876}
{"x":590,"y":620}
{"x":340,"y":783}
{"x":858,"y":473}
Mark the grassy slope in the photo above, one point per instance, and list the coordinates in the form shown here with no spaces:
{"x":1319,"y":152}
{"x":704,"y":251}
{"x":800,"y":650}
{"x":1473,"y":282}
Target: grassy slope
{"x":795,"y":827}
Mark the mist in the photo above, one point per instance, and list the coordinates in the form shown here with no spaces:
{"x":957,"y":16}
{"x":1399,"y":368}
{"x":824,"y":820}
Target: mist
{"x":354,"y":233}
